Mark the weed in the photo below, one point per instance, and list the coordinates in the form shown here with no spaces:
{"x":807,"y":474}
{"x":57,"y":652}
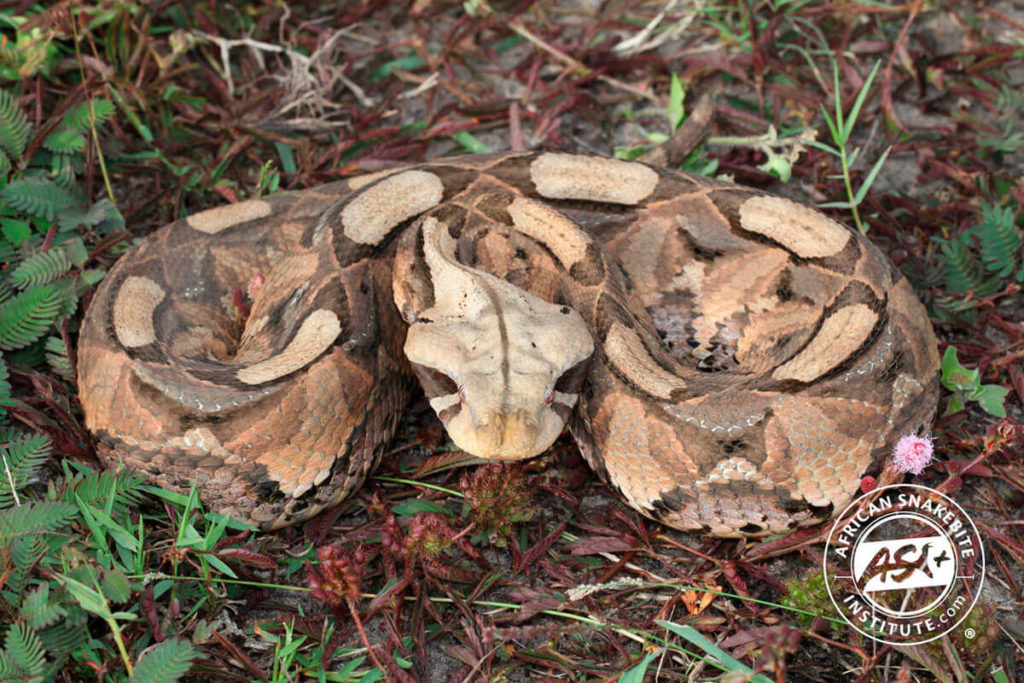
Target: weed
{"x":986,"y":257}
{"x":840,"y":128}
{"x":966,"y":386}
{"x":496,"y":498}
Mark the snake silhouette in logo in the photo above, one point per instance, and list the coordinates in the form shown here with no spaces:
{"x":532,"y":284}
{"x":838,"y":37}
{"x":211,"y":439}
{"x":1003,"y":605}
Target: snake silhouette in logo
{"x":885,"y":563}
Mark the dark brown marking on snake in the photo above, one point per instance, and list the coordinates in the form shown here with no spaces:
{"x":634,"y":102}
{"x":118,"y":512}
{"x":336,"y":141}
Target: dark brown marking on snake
{"x":434,"y":382}
{"x":589,"y":271}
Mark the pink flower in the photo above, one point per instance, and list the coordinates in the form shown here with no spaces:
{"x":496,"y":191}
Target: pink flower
{"x":912,"y":454}
{"x":255,"y":285}
{"x":868,"y":484}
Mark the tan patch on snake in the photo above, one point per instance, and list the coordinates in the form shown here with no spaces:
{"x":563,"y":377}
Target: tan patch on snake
{"x":628,"y":355}
{"x":213,"y":221}
{"x":566,"y":176}
{"x":841,"y":334}
{"x":133,"y":311}
{"x":799,"y":228}
{"x":369,"y":217}
{"x":552,"y":229}
{"x":317,"y":332}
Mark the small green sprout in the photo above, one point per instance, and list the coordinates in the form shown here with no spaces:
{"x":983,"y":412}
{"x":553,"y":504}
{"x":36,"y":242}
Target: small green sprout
{"x":966,"y":386}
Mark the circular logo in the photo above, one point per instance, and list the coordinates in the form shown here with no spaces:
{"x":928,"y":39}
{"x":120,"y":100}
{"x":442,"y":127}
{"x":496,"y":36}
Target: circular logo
{"x":908,"y":564}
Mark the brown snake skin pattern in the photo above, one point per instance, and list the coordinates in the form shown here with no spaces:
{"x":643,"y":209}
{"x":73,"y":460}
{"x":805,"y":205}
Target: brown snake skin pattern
{"x":729,"y":361}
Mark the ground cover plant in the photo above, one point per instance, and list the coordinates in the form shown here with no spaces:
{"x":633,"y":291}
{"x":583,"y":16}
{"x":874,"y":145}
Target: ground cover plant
{"x":905,"y":121}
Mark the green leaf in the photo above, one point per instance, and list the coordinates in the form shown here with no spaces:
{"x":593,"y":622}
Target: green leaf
{"x":822,"y":146}
{"x":37,"y":610}
{"x":5,"y":388}
{"x":122,"y":488}
{"x":28,"y":315}
{"x":15,"y":230}
{"x":57,"y":358}
{"x":89,"y":598}
{"x":676,"y":95}
{"x":725,"y":661}
{"x":777,"y":165}
{"x":410,"y":63}
{"x":870,"y":177}
{"x":22,"y":457}
{"x":832,"y":130}
{"x":851,"y":118}
{"x":64,"y":141}
{"x":79,"y":118}
{"x":40,"y":269}
{"x":164,"y":662}
{"x":412,"y":506}
{"x":37,"y":197}
{"x":963,"y":272}
{"x":25,"y":651}
{"x":77,"y":252}
{"x":991,"y":398}
{"x":999,"y":239}
{"x":635,"y":674}
{"x":956,"y":377}
{"x":470,"y":143}
{"x":287,"y":157}
{"x":116,"y":586}
{"x":14,"y":126}
{"x":35,"y":517}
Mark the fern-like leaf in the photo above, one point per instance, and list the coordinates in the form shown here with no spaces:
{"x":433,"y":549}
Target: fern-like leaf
{"x":9,"y":673}
{"x":1000,"y":240}
{"x":164,"y":662}
{"x":62,"y":172}
{"x":27,"y":316}
{"x":5,"y":164}
{"x":35,"y":517}
{"x":5,"y":387}
{"x":14,"y":127}
{"x":964,"y":273}
{"x":79,"y":118}
{"x":37,"y":196}
{"x":39,"y":269}
{"x":64,"y":141}
{"x":67,"y":635}
{"x":22,"y":458}
{"x":22,"y":647}
{"x":98,"y":487}
{"x":57,"y":358}
{"x":26,"y":553}
{"x":37,"y":610}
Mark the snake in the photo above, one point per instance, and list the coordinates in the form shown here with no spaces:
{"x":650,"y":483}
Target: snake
{"x":730,"y":362}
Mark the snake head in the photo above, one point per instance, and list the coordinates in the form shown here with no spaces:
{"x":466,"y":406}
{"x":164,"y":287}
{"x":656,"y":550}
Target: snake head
{"x":502,"y":368}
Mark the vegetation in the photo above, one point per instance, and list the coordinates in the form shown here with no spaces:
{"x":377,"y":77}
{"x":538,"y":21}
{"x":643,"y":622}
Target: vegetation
{"x":116,"y":117}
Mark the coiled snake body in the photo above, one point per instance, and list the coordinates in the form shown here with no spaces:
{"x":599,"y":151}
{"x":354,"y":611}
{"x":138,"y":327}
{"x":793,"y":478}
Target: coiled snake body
{"x":729,"y":361}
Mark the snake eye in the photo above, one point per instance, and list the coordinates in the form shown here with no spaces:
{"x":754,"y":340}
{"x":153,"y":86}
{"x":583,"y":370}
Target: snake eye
{"x":549,"y":395}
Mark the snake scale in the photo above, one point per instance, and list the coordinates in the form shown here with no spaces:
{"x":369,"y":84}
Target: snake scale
{"x":728,"y":361}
